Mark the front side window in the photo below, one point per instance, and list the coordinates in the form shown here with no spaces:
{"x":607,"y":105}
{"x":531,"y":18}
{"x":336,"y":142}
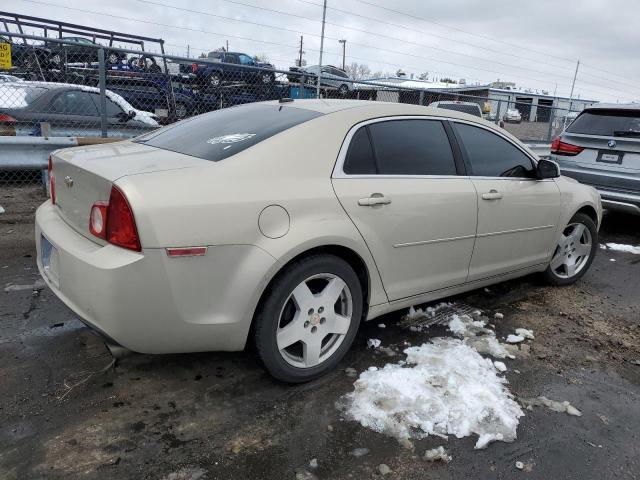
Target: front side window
{"x":246,"y":60}
{"x":412,"y":147}
{"x":74,"y":102}
{"x":489,"y":155}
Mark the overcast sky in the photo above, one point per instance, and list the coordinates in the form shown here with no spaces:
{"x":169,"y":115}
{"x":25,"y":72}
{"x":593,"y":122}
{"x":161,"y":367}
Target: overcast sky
{"x":535,"y":43}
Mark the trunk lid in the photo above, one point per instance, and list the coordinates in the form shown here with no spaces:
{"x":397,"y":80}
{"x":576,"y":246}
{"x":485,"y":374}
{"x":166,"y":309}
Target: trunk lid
{"x":85,"y":175}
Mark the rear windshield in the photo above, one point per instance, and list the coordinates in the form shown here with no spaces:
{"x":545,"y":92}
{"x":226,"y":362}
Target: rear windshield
{"x":217,"y":135}
{"x":609,"y":123}
{"x":461,"y":107}
{"x":19,"y":96}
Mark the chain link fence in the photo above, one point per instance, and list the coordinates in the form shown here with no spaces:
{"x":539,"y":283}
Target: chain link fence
{"x":96,"y":93}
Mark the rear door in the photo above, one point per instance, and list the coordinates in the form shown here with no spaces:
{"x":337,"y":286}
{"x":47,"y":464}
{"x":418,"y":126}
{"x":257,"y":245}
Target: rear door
{"x":73,"y":113}
{"x":517,"y":213}
{"x":610,"y":159}
{"x":400,"y":183}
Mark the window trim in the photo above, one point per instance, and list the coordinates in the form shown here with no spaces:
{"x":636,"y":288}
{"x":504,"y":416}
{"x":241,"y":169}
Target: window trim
{"x":338,"y":169}
{"x":467,"y":164}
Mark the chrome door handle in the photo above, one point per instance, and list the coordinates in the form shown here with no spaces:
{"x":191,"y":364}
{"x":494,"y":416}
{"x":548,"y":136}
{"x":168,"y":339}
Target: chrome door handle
{"x":492,"y":195}
{"x":374,"y":199}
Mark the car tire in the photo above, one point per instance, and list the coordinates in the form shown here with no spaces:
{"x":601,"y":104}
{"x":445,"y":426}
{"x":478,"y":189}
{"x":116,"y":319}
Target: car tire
{"x":181,"y":111}
{"x":113,"y":58}
{"x":267,"y":78}
{"x":214,"y":80}
{"x":297,"y":307}
{"x":343,"y":90}
{"x":575,"y":251}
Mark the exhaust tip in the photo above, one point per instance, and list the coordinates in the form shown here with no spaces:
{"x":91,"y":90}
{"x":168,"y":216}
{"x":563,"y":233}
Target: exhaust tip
{"x":117,"y":351}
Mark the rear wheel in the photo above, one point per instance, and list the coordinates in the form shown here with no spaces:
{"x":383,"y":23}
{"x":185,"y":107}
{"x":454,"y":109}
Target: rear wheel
{"x":575,"y":251}
{"x":215,"y":80}
{"x":343,"y":90}
{"x":308,"y":318}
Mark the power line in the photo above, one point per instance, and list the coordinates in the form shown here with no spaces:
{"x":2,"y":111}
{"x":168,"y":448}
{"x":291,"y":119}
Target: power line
{"x":518,"y":67}
{"x":488,"y":38}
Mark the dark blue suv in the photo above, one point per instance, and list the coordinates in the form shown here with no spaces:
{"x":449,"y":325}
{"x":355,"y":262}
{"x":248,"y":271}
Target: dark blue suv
{"x":222,"y":67}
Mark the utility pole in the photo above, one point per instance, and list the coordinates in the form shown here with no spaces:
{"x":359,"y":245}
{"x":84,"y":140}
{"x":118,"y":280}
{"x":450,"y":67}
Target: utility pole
{"x":344,"y":46}
{"x":187,"y":50}
{"x":300,"y":52}
{"x":324,"y":18}
{"x":571,"y":95}
{"x":227,"y":45}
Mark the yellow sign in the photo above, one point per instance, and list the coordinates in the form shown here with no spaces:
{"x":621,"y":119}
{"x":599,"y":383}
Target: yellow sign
{"x":5,"y":56}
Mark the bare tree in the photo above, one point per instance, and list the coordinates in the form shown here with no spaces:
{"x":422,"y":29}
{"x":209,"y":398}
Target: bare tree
{"x":262,"y":58}
{"x":358,"y":71}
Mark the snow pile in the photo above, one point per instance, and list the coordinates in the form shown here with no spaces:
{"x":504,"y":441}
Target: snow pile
{"x":475,"y":335}
{"x":444,"y":388}
{"x":620,"y":247}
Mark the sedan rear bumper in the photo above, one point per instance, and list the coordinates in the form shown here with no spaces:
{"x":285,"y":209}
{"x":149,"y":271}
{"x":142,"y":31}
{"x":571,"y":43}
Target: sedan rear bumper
{"x":148,"y":302}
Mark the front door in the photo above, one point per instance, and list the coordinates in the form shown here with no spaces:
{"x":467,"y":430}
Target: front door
{"x":398,"y":182}
{"x":517,"y":214}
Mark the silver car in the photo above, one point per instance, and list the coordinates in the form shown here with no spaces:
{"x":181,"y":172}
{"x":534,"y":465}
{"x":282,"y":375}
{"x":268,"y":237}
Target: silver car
{"x":601,"y":148}
{"x":331,"y":77}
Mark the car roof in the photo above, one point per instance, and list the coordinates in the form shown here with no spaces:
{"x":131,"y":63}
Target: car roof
{"x":614,"y":106}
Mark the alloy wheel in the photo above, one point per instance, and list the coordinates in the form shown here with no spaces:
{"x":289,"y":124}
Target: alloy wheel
{"x":314,"y":320}
{"x":573,"y":251}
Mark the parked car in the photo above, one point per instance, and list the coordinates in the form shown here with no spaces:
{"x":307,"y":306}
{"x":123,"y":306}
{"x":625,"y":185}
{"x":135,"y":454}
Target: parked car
{"x":154,"y":95}
{"x":331,"y":77}
{"x":4,"y":78}
{"x":470,"y":108}
{"x":69,"y":110}
{"x":221,"y":67}
{"x":512,"y":115}
{"x":602,"y":148}
{"x":81,"y":50}
{"x":240,"y":225}
{"x":28,"y":56}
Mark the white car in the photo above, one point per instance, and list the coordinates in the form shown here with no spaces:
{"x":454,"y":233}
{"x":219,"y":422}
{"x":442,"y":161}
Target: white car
{"x":512,"y":115}
{"x":4,"y":78}
{"x":285,"y":224}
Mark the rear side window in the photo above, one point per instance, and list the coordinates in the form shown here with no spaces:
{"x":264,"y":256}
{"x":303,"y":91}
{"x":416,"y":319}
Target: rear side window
{"x":217,"y":135}
{"x":13,"y":96}
{"x":412,"y":147}
{"x":360,"y":159}
{"x":607,"y":122}
{"x":491,"y":155}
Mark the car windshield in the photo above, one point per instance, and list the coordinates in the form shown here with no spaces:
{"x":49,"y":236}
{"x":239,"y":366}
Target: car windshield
{"x":461,"y":107}
{"x":607,"y":122}
{"x":19,"y":96}
{"x":218,"y":135}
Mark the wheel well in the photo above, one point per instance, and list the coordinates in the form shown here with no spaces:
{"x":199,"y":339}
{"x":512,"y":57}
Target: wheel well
{"x":590,"y":212}
{"x":352,"y":258}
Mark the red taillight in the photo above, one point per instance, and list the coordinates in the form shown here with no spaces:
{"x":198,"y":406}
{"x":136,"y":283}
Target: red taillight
{"x":194,"y":67}
{"x":113,"y":221}
{"x":52,"y":181}
{"x":4,"y":118}
{"x":561,"y":148}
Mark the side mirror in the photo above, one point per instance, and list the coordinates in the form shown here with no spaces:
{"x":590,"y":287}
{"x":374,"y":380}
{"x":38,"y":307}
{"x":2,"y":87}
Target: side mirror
{"x":548,"y":169}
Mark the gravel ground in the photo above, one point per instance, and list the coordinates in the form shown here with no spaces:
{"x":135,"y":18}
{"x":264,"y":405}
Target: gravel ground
{"x":67,"y":411}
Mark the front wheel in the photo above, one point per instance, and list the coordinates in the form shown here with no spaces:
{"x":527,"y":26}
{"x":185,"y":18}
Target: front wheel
{"x":575,"y":251}
{"x":308,"y":318}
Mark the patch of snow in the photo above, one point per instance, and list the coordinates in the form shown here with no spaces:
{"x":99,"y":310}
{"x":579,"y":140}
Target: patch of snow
{"x":553,"y":405}
{"x":382,"y":325}
{"x":620,"y":247}
{"x":499,"y":316}
{"x":523,"y":332}
{"x":519,"y":465}
{"x":477,"y":336}
{"x":1,"y":209}
{"x":437,"y":454}
{"x":37,"y":285}
{"x":515,"y":338}
{"x":612,"y":259}
{"x":446,"y":388}
{"x":373,"y":343}
{"x":500,"y":366}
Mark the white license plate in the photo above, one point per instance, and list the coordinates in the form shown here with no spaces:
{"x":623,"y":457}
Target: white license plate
{"x":49,"y":255}
{"x":609,"y":157}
